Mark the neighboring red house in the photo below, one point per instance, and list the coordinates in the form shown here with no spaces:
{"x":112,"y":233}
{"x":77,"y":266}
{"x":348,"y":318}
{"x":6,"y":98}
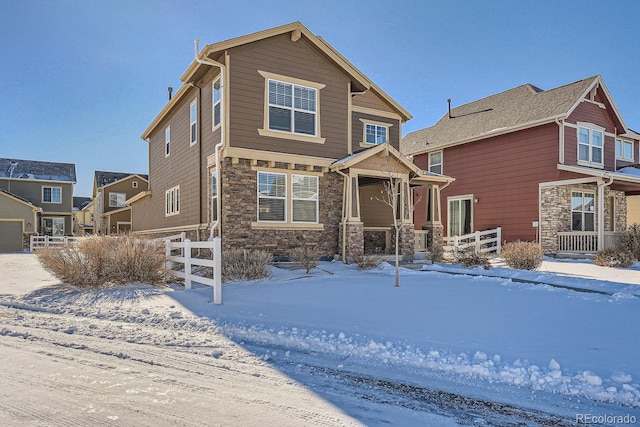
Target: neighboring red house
{"x":543,"y":165}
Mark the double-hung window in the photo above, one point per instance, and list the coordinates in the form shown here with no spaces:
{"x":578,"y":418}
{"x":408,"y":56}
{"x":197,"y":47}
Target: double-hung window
{"x":591,"y":146}
{"x":583,"y":211}
{"x":167,"y":141}
{"x":172,"y":201}
{"x":52,"y":194}
{"x":216,"y":97}
{"x":304,"y":198}
{"x":116,"y":200}
{"x":292,"y":108}
{"x":624,"y":150}
{"x":272,"y":196}
{"x":279,"y":201}
{"x":376,"y":134}
{"x":435,"y":162}
{"x":193,"y":122}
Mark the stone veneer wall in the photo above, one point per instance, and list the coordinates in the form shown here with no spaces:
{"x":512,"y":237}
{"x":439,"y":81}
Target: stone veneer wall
{"x":556,"y":212}
{"x":239,"y":210}
{"x":407,"y":242}
{"x":436,"y":234}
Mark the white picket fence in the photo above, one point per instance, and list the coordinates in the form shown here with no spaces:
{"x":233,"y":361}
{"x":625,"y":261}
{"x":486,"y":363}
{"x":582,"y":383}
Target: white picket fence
{"x":185,"y":246}
{"x":36,"y":242}
{"x":488,"y":241}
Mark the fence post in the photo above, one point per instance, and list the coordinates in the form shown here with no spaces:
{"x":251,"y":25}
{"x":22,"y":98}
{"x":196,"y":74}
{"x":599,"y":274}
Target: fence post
{"x":187,"y":263}
{"x":477,"y":236}
{"x":217,"y":270}
{"x":167,"y":254}
{"x":46,"y":241}
{"x":499,"y":242}
{"x":183,"y":237}
{"x":31,"y":239}
{"x":65,"y":241}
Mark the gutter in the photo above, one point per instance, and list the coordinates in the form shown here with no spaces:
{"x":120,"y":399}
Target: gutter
{"x":223,"y":71}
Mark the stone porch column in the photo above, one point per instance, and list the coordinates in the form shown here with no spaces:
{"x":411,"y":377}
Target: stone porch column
{"x":353,"y":238}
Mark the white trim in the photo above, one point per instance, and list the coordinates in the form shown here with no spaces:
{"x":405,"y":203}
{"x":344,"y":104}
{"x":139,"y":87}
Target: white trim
{"x":316,"y":199}
{"x":172,"y":201}
{"x":376,"y":126}
{"x":117,"y":205}
{"x":441,"y":164}
{"x":591,"y":128}
{"x":374,"y":112}
{"x":583,"y":191}
{"x":459,"y":198}
{"x":167,"y":141}
{"x":218,"y":80}
{"x":43,"y":187}
{"x":258,"y":197}
{"x":624,"y":141}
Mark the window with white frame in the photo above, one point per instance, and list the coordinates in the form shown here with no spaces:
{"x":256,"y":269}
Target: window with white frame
{"x":167,"y":141}
{"x":583,"y":211}
{"x":53,"y":226}
{"x":624,"y":150}
{"x":216,"y":97}
{"x":435,"y":162}
{"x":292,"y":108}
{"x":172,"y":201}
{"x":304,"y":198}
{"x":193,"y":122}
{"x":376,"y":134}
{"x":214,"y":196}
{"x":272,"y":196}
{"x":52,"y":194}
{"x":460,"y":215}
{"x":591,"y":146}
{"x":134,"y":184}
{"x":116,"y":200}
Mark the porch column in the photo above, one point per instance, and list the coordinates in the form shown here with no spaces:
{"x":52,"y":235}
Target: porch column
{"x":432,"y":221}
{"x":351,"y":228}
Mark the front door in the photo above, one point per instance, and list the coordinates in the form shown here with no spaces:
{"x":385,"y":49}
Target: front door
{"x":459,"y":216}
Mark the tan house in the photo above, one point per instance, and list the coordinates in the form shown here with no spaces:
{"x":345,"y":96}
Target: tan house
{"x":111,"y":190}
{"x":36,"y":197}
{"x":553,"y":165}
{"x":275,"y":140}
{"x":83,"y":215}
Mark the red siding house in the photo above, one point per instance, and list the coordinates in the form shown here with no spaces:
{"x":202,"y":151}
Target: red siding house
{"x":553,"y":166}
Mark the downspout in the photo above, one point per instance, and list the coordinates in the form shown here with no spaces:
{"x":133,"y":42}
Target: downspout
{"x":345,"y":212}
{"x":223,"y":117}
{"x":601,"y":186}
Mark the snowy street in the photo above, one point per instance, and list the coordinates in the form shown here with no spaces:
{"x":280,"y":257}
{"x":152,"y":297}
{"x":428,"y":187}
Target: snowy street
{"x":336,"y":347}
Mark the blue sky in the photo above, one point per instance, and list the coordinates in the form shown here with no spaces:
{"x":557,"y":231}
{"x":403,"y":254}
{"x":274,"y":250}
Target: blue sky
{"x":81,"y":80}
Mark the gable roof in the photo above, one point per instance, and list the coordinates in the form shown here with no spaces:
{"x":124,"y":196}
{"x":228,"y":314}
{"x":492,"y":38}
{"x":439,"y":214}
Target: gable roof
{"x":359,"y":81}
{"x":19,"y":199}
{"x":37,"y":170}
{"x":80,"y":203}
{"x":104,"y":178}
{"x":518,"y":108}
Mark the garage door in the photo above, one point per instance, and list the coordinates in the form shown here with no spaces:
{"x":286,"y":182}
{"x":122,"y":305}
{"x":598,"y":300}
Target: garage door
{"x":10,"y":236}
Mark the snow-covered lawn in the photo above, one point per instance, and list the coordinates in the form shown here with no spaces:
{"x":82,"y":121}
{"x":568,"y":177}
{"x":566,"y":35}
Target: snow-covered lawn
{"x":553,"y":344}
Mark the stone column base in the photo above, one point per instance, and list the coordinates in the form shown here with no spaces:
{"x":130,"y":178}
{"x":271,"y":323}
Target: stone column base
{"x":354,"y":238}
{"x":436,"y":235}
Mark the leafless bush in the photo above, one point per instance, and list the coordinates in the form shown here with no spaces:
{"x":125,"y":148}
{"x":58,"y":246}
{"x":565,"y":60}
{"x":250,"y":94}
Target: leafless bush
{"x":104,"y":261}
{"x":238,"y":264}
{"x":630,"y":241}
{"x":367,"y":262}
{"x":522,"y":255}
{"x":469,"y":257}
{"x":305,"y":255}
{"x":436,"y":254}
{"x":614,"y":258}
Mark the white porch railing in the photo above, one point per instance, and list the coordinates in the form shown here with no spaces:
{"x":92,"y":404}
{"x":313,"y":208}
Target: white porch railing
{"x":421,"y":240}
{"x":188,"y":260}
{"x":488,"y":241}
{"x":585,"y":241}
{"x":36,"y":242}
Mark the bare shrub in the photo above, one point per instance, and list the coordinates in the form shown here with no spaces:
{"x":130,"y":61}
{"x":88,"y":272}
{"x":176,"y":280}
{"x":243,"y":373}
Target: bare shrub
{"x":103,"y":261}
{"x":367,"y":262}
{"x":630,"y":240}
{"x":469,"y":257}
{"x":614,"y":258}
{"x":305,"y":255}
{"x":436,"y":254}
{"x":251,"y":264}
{"x":522,"y":255}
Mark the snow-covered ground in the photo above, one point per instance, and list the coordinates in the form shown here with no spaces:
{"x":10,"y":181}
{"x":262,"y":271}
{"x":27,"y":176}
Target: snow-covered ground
{"x":339,"y":346}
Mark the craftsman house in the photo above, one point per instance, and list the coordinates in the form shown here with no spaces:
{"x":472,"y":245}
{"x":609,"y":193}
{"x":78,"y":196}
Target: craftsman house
{"x":275,"y":140}
{"x":548,"y":165}
{"x":111,"y":190}
{"x":35,"y":198}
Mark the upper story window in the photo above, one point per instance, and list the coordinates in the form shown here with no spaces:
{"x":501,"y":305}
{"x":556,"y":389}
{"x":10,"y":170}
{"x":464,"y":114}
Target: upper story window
{"x":52,"y":194}
{"x":167,"y":141}
{"x":435,"y":162}
{"x":292,"y":108}
{"x":216,"y":97}
{"x":172,"y":201}
{"x":376,"y":134}
{"x":590,"y":146}
{"x":624,"y":150}
{"x":134,"y":184}
{"x":193,"y":122}
{"x":116,"y":200}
